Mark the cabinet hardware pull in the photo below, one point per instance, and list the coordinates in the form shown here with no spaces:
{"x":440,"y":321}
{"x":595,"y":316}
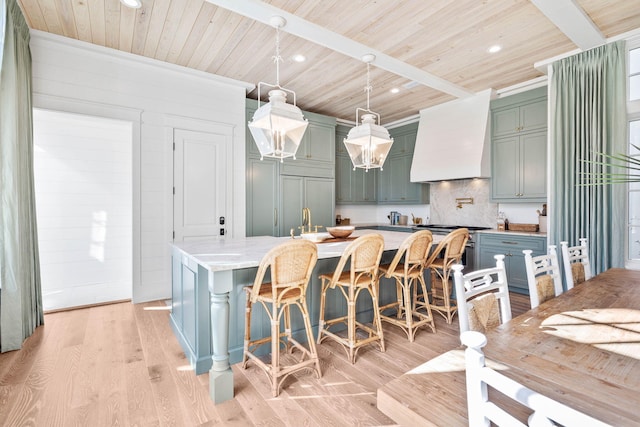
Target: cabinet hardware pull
{"x":275,"y":217}
{"x":510,"y":243}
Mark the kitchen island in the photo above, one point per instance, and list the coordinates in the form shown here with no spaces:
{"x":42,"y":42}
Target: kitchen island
{"x":208,"y":301}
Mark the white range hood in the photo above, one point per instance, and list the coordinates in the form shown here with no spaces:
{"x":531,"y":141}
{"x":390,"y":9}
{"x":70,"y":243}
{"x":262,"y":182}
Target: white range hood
{"x":453,"y":140}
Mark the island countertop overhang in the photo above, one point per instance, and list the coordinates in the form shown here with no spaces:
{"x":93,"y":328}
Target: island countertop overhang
{"x":232,"y":254}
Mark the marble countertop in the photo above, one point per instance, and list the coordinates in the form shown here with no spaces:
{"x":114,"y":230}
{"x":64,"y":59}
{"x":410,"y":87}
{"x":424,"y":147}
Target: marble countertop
{"x":516,"y":233}
{"x":383,"y":224}
{"x":231,"y":254}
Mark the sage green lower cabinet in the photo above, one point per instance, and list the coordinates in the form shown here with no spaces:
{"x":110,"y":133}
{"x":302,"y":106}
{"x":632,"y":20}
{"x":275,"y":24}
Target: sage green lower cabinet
{"x":190,"y":308}
{"x":298,"y":192}
{"x":190,"y":316}
{"x":510,"y":245}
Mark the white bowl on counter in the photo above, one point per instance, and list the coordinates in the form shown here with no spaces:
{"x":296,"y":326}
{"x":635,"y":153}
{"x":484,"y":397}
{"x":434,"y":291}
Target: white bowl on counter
{"x":341,"y":231}
{"x":316,"y":237}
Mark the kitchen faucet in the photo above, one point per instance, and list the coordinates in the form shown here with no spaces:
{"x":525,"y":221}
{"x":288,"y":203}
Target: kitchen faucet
{"x":306,"y":221}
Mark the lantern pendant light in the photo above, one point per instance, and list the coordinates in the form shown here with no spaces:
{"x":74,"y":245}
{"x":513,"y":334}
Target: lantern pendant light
{"x":368,"y":143}
{"x":277,"y":127}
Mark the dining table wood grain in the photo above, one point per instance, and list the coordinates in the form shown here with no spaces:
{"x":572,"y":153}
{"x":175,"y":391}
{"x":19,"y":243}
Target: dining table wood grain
{"x":581,"y":348}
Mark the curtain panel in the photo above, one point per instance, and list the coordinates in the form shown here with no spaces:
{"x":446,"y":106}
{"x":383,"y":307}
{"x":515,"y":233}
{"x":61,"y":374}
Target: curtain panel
{"x":20,"y":290}
{"x":588,"y":116}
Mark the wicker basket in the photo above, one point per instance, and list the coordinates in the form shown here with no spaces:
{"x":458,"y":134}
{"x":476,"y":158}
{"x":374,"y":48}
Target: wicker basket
{"x":523,"y":227}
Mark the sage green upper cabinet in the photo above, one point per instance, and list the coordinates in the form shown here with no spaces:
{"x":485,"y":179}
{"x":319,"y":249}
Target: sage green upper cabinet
{"x":519,"y":167}
{"x":525,"y":118}
{"x":277,"y":191}
{"x":394,"y":186}
{"x":316,"y":153}
{"x":519,"y":147}
{"x":263,"y":203}
{"x":352,"y":186}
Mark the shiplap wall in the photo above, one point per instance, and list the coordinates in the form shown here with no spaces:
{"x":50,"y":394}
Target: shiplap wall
{"x":73,"y":76}
{"x":83,"y":186}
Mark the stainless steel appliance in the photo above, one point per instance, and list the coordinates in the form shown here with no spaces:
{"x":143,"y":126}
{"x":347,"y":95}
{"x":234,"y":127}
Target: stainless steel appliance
{"x":468,"y":259}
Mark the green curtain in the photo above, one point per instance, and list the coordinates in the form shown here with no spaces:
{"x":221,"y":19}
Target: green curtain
{"x":20,"y":293}
{"x":588,"y":116}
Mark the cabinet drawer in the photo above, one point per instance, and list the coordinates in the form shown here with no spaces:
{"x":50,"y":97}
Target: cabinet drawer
{"x":514,"y":243}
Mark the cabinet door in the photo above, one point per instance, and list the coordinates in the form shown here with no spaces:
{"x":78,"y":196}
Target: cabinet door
{"x":505,"y":180}
{"x":485,"y":258}
{"x":291,"y":203}
{"x":517,"y":273}
{"x":365,"y":185}
{"x":505,"y":122}
{"x":319,"y":198}
{"x":399,"y":173}
{"x":384,"y":182}
{"x":345,"y":180}
{"x":341,"y":135}
{"x":318,"y":143}
{"x":262,"y":197}
{"x":533,"y":116}
{"x":533,"y":148}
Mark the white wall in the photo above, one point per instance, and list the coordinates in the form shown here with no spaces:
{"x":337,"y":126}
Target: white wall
{"x":367,"y":214}
{"x":82,"y":168}
{"x":73,"y":76}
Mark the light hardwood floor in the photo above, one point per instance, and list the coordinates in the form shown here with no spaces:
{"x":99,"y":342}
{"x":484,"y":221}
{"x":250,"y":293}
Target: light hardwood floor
{"x":120,"y":365}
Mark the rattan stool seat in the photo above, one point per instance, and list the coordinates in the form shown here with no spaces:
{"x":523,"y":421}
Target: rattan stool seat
{"x":407,"y":270}
{"x":364,"y":254}
{"x":290,"y":265}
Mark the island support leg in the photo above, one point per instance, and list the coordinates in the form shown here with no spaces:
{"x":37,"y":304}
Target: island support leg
{"x":220,"y":375}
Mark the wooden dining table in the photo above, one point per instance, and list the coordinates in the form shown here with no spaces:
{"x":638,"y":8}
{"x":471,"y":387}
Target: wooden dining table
{"x":581,"y":348}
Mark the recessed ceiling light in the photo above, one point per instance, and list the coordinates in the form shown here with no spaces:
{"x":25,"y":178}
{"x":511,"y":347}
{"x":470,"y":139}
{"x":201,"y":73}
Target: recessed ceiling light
{"x":495,"y":48}
{"x":299,"y":58}
{"x":394,"y":90}
{"x":134,"y":4}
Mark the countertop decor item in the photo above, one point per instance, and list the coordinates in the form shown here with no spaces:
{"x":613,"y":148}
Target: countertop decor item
{"x":341,"y":231}
{"x":277,"y":127}
{"x":523,"y":227}
{"x":316,"y":237}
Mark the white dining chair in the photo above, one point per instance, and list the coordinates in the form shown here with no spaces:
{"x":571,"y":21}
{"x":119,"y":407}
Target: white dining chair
{"x":482,"y":412}
{"x":543,"y":276}
{"x":482,"y":297}
{"x":575,"y":259}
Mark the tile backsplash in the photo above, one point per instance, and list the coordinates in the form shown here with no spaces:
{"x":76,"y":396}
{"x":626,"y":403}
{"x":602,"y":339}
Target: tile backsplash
{"x":444,"y":208}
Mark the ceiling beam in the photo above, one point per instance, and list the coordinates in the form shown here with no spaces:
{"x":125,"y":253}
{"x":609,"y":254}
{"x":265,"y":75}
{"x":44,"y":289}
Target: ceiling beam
{"x":572,"y":20}
{"x":262,"y":12}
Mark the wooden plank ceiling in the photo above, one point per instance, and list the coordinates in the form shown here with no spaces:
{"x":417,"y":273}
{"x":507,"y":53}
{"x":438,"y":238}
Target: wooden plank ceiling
{"x":447,"y":38}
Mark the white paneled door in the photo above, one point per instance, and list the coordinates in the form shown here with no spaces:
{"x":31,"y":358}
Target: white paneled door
{"x":200,"y":184}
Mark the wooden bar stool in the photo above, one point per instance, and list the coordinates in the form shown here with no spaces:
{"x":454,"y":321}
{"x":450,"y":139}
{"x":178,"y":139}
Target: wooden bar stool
{"x":448,"y":252}
{"x":290,"y":266}
{"x":364,"y":253}
{"x":407,"y":269}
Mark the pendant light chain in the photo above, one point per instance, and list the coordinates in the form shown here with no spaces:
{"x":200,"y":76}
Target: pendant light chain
{"x":368,"y":88}
{"x":277,"y":58}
